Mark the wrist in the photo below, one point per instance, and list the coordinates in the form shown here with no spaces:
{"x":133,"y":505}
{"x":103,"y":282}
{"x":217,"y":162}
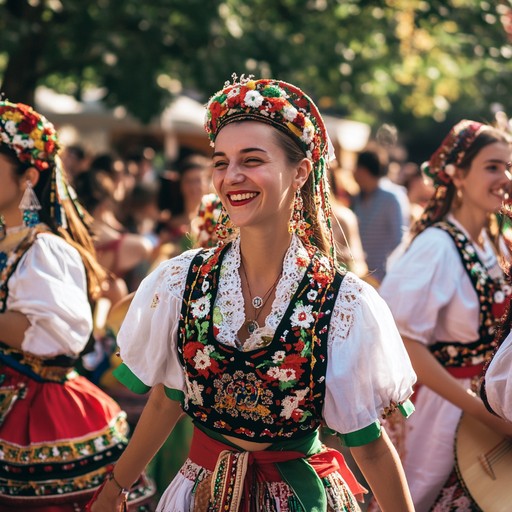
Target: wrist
{"x":121,"y":490}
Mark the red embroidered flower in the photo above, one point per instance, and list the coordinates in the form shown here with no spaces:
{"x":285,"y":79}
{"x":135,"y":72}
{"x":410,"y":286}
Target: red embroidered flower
{"x":191,"y":348}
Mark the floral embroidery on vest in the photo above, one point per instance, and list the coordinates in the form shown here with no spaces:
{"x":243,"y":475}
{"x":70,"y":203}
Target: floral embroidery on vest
{"x":493,"y":296}
{"x":272,"y":391}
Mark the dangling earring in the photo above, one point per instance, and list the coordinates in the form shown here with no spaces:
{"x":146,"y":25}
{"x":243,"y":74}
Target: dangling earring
{"x":3,"y":229}
{"x":224,"y":228}
{"x":297,"y":222}
{"x":29,"y":205}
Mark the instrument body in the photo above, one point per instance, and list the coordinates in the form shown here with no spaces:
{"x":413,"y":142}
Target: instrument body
{"x":483,"y":460}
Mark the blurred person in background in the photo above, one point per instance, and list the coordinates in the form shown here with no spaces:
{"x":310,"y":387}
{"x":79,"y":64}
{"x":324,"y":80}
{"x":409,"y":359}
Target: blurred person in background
{"x":446,"y":292}
{"x":117,"y":250}
{"x":182,"y":197}
{"x":59,"y":434}
{"x":74,"y":161}
{"x":378,"y":212}
{"x":419,"y":188}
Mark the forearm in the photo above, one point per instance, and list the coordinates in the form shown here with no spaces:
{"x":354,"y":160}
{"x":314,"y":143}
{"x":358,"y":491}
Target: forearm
{"x":382,"y":469}
{"x":433,"y":375}
{"x":156,"y":422}
{"x":13,"y":325}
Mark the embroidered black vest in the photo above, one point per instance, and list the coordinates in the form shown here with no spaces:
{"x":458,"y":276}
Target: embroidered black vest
{"x":492,"y":297}
{"x":270,"y":393}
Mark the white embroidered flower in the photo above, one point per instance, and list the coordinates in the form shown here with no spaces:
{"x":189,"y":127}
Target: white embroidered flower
{"x":499,"y":297}
{"x":194,"y":392}
{"x":312,"y":294}
{"x":201,"y":307}
{"x":98,"y":444}
{"x":302,"y":316}
{"x":289,"y":112}
{"x":290,"y":403}
{"x":279,"y":356}
{"x":234,"y":92}
{"x":205,"y":286}
{"x":202,"y":358}
{"x":282,"y":374}
{"x":253,"y":99}
{"x":449,"y":170}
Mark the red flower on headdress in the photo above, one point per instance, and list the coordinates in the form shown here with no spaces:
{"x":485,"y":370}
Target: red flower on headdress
{"x":275,"y":104}
{"x":28,"y":124}
{"x":300,"y":120}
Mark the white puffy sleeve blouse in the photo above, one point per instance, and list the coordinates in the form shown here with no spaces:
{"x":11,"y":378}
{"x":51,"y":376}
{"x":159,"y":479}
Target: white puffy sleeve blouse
{"x":498,"y":380}
{"x":49,"y":286}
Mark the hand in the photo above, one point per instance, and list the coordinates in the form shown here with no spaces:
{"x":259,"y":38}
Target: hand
{"x":108,"y":500}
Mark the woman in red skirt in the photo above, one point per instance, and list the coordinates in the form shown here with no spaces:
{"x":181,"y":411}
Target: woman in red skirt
{"x":59,"y":434}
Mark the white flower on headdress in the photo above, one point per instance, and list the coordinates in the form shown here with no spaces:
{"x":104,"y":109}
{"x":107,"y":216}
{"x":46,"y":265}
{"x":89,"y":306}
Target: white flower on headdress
{"x":309,"y":154}
{"x":308,"y":132}
{"x":234,"y":92}
{"x":10,"y":127}
{"x":253,"y":99}
{"x":5,"y":138}
{"x":289,"y":112}
{"x":449,"y":170}
{"x":25,"y":143}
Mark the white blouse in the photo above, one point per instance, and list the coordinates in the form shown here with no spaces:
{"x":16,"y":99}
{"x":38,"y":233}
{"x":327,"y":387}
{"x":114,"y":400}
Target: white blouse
{"x":429,"y":291}
{"x":49,"y":286}
{"x":498,"y":380}
{"x":368,"y":366}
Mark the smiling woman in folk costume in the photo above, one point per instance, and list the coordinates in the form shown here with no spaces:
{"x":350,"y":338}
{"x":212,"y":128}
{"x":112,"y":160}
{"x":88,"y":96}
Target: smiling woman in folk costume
{"x":59,"y":434}
{"x":446,"y":293}
{"x":261,"y":340}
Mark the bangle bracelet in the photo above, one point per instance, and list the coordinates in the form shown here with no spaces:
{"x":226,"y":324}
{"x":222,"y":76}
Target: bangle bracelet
{"x":122,"y":490}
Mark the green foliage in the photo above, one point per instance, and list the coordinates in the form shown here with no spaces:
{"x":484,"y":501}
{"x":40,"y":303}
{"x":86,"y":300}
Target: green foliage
{"x":400,"y":61}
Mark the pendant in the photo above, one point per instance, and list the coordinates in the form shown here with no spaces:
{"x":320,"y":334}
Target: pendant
{"x":252,"y":325}
{"x":257,"y":302}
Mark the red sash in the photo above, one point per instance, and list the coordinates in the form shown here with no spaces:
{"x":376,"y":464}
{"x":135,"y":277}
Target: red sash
{"x":260,"y":466}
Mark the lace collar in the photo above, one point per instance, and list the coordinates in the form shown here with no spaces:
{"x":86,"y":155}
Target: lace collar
{"x":229,"y":315}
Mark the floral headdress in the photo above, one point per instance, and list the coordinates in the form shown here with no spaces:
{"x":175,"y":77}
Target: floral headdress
{"x":287,"y":108}
{"x":441,"y":166}
{"x":34,"y":141}
{"x":29,"y":134}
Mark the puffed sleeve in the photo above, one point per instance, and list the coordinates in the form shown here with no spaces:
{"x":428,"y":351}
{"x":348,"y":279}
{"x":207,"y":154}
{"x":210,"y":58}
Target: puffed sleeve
{"x":421,"y":282}
{"x":49,"y":286}
{"x":148,"y":335}
{"x":498,"y":380}
{"x":369,"y":374}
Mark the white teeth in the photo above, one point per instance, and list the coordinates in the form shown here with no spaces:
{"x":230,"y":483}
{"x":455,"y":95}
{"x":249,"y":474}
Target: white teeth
{"x":242,"y":197}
